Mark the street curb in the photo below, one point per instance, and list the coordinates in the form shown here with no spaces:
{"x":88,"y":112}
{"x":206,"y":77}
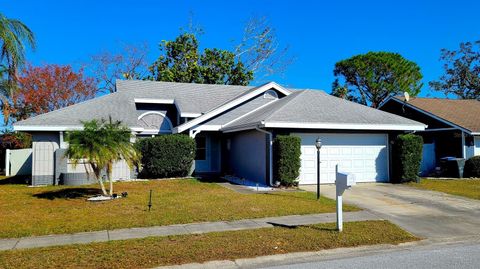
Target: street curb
{"x":322,"y":255}
{"x":294,"y":257}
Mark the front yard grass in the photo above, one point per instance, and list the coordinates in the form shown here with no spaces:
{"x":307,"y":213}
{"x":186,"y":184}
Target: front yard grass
{"x":27,"y":211}
{"x":158,"y":251}
{"x":469,"y":188}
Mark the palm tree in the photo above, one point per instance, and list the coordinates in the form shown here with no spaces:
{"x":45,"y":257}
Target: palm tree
{"x":14,"y":36}
{"x":100,"y":144}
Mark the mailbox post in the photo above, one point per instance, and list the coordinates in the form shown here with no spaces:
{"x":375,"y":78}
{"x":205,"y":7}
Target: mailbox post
{"x":343,"y":182}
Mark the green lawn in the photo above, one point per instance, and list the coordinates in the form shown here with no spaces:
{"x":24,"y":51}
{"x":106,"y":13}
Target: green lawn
{"x":157,"y":251}
{"x":463,"y":187}
{"x":27,"y":211}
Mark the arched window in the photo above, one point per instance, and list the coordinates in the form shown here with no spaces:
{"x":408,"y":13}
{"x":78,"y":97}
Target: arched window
{"x":154,"y":121}
{"x":270,"y":94}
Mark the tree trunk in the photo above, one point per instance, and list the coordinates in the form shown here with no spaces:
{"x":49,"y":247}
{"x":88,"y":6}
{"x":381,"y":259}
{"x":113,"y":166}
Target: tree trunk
{"x":104,"y":191}
{"x":96,"y":171}
{"x":109,"y":175}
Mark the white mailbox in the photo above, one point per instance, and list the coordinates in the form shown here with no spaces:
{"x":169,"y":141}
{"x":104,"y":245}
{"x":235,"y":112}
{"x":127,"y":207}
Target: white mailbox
{"x":345,"y":180}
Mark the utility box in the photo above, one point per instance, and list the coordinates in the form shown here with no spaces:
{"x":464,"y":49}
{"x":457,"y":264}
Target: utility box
{"x":452,"y":167}
{"x":345,"y":180}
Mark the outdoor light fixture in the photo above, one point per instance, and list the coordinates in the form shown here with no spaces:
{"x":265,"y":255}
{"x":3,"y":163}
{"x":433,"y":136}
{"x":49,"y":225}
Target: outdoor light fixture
{"x":318,"y":145}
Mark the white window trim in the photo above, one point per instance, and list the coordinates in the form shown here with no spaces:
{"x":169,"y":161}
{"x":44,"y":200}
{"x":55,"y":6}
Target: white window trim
{"x":161,"y":114}
{"x":154,"y":101}
{"x":46,"y":128}
{"x":270,"y":94}
{"x":345,"y":126}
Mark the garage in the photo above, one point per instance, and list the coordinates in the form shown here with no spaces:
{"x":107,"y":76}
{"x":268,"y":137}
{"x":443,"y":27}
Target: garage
{"x":365,"y":155}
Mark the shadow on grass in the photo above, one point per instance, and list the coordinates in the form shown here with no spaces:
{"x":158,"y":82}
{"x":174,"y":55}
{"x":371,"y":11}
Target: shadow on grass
{"x":314,"y":227}
{"x":298,"y":197}
{"x":15,"y":180}
{"x":209,"y":179}
{"x":69,"y":193}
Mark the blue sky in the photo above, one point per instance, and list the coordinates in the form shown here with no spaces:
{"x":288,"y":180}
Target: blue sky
{"x":319,"y":33}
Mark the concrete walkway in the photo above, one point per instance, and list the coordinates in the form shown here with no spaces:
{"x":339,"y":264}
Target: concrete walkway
{"x":192,"y":228}
{"x":427,"y":214}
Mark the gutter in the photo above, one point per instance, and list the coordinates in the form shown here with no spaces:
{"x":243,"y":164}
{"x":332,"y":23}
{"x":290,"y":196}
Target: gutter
{"x":270,"y":153}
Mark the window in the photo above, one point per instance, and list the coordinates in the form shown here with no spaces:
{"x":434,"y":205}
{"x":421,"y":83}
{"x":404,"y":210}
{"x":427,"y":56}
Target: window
{"x":201,"y":153}
{"x":270,"y":94}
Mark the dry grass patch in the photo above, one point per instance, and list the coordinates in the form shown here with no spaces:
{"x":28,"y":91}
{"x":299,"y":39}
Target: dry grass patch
{"x":157,"y":251}
{"x":28,"y":211}
{"x":469,"y":188}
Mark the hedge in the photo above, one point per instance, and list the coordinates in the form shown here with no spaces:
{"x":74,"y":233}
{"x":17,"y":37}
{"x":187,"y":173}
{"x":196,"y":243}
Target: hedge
{"x":166,"y":156}
{"x":472,"y":167}
{"x":407,"y":158}
{"x":286,"y":155}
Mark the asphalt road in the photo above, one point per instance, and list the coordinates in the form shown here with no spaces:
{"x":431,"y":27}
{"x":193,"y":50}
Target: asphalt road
{"x":438,"y":257}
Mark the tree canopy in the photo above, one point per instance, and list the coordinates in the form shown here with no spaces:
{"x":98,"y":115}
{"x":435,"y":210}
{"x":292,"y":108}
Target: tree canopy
{"x":101,"y":143}
{"x":461,"y":71}
{"x":46,"y":88}
{"x":181,"y":61}
{"x":372,"y":77}
{"x":15,"y":36}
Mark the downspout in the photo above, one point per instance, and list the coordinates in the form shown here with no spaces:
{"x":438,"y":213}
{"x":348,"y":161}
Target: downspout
{"x":270,"y":155}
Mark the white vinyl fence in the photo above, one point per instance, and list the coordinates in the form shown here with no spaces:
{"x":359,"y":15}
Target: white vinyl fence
{"x":18,"y":162}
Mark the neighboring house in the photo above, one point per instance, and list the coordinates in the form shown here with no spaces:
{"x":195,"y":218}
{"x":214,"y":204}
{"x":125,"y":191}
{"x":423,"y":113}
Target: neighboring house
{"x":453,"y":126}
{"x":233,"y":127}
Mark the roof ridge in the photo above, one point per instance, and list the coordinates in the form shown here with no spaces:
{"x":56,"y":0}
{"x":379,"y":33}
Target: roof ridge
{"x":184,"y":83}
{"x":286,"y":102}
{"x":434,"y":98}
{"x":233,"y":98}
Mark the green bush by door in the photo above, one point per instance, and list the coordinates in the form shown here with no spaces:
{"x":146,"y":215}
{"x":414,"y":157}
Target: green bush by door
{"x":166,"y":156}
{"x":407,"y":158}
{"x":472,"y":167}
{"x":286,"y":157}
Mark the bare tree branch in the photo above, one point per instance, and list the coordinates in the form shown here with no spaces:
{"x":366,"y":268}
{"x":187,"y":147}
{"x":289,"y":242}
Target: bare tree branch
{"x":260,"y":51}
{"x":130,"y":63}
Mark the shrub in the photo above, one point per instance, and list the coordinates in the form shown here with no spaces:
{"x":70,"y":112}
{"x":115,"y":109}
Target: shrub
{"x":472,"y":167}
{"x":407,"y":158}
{"x":286,"y":155}
{"x":166,"y":156}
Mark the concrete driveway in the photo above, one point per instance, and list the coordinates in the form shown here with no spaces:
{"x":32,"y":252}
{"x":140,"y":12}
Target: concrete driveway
{"x":424,"y":213}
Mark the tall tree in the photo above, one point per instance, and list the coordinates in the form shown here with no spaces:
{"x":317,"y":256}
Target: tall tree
{"x":461,"y":71}
{"x":130,"y":63}
{"x":260,"y":49}
{"x":181,"y":61}
{"x":343,"y":92}
{"x":47,"y":88}
{"x":101,"y":143}
{"x":374,"y":76}
{"x":15,"y":36}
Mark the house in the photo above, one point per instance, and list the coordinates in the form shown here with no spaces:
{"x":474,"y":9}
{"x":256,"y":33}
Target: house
{"x":233,"y":127}
{"x":453,"y":126}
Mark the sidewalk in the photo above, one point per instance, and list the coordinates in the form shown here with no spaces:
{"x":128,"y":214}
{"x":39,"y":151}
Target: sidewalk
{"x":180,"y":229}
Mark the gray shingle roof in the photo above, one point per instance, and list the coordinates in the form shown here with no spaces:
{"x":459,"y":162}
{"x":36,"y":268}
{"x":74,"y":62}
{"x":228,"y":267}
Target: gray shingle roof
{"x":317,"y":107}
{"x":301,"y":106}
{"x":189,"y":97}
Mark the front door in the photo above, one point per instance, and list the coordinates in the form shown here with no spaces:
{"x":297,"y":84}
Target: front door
{"x":207,"y":157}
{"x":202,"y":155}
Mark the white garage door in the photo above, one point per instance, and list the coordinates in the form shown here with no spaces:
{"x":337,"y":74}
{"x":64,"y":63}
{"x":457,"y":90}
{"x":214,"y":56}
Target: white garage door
{"x":365,"y":155}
